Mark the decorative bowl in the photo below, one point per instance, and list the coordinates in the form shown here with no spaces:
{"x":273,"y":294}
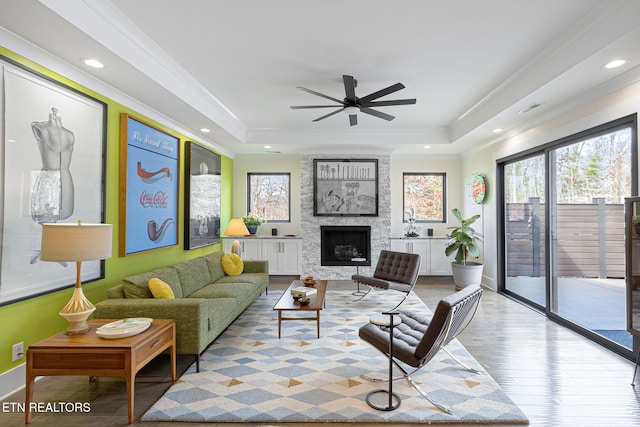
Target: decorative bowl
{"x":304,"y":301}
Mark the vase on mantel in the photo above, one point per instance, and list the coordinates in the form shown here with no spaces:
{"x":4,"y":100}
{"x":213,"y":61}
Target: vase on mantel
{"x":253,"y":229}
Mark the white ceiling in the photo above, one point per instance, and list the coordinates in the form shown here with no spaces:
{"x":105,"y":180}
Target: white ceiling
{"x":233,"y":66}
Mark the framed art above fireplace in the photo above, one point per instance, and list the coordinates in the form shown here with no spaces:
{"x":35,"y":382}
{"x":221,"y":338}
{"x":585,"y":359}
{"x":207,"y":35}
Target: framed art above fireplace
{"x":345,"y":187}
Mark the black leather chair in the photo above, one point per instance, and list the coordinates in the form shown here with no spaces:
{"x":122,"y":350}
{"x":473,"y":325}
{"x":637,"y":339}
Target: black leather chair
{"x":396,"y":271}
{"x":419,"y":338}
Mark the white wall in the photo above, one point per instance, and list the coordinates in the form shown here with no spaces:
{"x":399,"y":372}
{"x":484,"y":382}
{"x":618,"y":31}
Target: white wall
{"x":456,"y":190}
{"x":243,"y":164}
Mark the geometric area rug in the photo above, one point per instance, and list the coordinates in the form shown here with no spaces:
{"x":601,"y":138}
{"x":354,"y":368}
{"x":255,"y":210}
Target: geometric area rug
{"x":249,"y":375}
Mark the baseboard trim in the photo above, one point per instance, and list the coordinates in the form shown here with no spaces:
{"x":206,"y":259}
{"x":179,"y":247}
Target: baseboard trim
{"x":489,"y":283}
{"x":12,"y":380}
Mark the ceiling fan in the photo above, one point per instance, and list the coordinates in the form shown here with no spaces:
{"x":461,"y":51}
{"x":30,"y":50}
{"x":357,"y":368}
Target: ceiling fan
{"x":352,"y":105}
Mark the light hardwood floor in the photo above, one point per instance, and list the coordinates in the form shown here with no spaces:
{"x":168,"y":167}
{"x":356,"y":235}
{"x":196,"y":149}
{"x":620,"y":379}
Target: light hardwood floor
{"x":557,"y":377}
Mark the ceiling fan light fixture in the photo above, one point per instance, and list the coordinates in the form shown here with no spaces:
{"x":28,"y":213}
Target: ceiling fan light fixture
{"x":351,"y":110}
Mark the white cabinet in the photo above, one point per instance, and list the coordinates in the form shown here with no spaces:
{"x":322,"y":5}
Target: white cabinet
{"x":283,"y":255}
{"x":415,"y":246}
{"x":250,"y":248}
{"x":440,"y":263}
{"x":433,"y":261}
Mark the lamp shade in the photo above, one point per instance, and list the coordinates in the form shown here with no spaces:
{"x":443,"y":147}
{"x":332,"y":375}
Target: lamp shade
{"x":76,"y":242}
{"x":236,"y":227}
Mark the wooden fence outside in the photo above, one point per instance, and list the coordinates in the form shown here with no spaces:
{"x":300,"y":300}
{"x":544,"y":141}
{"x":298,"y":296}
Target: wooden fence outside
{"x":589,"y":239}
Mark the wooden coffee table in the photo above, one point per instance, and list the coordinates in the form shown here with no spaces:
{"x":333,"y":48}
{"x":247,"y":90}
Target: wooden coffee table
{"x":286,"y":303}
{"x":91,"y":355}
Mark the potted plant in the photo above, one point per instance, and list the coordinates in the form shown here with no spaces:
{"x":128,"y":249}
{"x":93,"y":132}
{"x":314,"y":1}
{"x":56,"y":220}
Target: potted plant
{"x":463,"y":243}
{"x":252,"y":221}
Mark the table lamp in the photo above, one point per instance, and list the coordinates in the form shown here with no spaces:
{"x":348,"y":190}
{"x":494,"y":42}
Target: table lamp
{"x":76,"y":243}
{"x":236,"y":227}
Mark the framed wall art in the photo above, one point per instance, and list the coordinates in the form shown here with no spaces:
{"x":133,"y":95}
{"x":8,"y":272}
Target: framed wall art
{"x":54,"y":171}
{"x":149,"y":187}
{"x":345,"y":187}
{"x":202,"y":196}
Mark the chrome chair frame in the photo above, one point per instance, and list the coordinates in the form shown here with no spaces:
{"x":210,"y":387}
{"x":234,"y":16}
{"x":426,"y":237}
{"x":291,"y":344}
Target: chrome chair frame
{"x":396,"y":271}
{"x":417,"y":340}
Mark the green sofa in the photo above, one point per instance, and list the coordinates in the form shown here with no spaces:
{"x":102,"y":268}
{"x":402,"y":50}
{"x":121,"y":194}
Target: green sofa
{"x":206,"y":299}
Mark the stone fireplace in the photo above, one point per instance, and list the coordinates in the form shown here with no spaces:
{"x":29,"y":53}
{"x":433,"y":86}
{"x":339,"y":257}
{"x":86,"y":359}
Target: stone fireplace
{"x":339,"y":244}
{"x":310,"y":225}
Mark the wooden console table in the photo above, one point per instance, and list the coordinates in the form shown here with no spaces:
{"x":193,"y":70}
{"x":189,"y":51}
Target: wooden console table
{"x":91,"y":355}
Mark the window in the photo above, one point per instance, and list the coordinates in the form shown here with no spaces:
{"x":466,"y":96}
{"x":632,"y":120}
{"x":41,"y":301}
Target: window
{"x":268,"y":196}
{"x":424,"y":192}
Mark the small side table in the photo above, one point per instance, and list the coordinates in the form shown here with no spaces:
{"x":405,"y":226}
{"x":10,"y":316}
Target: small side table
{"x":91,"y":355}
{"x":389,"y":320}
{"x":358,"y":293}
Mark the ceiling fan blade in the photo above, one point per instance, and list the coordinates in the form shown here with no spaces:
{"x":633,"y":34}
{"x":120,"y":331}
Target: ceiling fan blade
{"x":313,"y":92}
{"x":328,"y":115}
{"x":349,"y":88}
{"x":378,"y":114}
{"x":388,"y":103}
{"x":382,"y":92}
{"x":353,"y":119}
{"x":300,"y":107}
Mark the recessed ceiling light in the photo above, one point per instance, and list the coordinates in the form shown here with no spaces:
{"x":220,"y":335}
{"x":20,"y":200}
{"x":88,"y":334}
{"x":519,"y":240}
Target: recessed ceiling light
{"x":614,"y":64}
{"x":497,"y":130}
{"x":267,"y":146}
{"x":205,"y":130}
{"x":94,"y":63}
{"x":427,"y":147}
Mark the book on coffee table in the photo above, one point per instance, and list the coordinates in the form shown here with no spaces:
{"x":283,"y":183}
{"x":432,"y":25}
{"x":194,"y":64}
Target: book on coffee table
{"x":304,"y":291}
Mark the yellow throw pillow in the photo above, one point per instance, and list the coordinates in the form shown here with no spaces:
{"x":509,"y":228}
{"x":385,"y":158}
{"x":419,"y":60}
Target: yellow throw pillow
{"x":232,"y":264}
{"x":160,"y":289}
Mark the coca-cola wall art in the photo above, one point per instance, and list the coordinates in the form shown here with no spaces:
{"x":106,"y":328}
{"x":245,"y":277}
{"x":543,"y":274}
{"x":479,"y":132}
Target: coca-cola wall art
{"x":202,"y":196}
{"x":149,"y":166}
{"x":53,"y":172}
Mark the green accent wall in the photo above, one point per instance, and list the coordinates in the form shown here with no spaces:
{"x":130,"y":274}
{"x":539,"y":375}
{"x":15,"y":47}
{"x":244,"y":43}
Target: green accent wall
{"x":37,"y":318}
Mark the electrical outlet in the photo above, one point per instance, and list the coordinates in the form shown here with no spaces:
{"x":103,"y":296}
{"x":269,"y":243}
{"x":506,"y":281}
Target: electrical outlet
{"x":17,"y":351}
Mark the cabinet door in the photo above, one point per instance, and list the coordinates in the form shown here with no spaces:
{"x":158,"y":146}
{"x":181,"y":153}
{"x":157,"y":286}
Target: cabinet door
{"x":250,"y":249}
{"x":414,"y":246}
{"x":271,"y":250}
{"x":226,"y":245}
{"x":422,"y":248}
{"x":283,"y":255}
{"x":440,"y":263}
{"x":290,"y":257}
{"x":398,"y":245}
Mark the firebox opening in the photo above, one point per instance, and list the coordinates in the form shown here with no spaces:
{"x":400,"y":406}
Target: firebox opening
{"x":340,"y":244}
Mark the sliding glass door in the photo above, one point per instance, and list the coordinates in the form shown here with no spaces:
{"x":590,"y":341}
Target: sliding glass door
{"x":562,"y":246}
{"x":589,"y":180}
{"x":524,"y":210}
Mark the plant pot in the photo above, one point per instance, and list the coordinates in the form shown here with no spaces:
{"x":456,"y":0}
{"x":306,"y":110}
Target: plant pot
{"x":468,"y":274}
{"x":253,"y":229}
